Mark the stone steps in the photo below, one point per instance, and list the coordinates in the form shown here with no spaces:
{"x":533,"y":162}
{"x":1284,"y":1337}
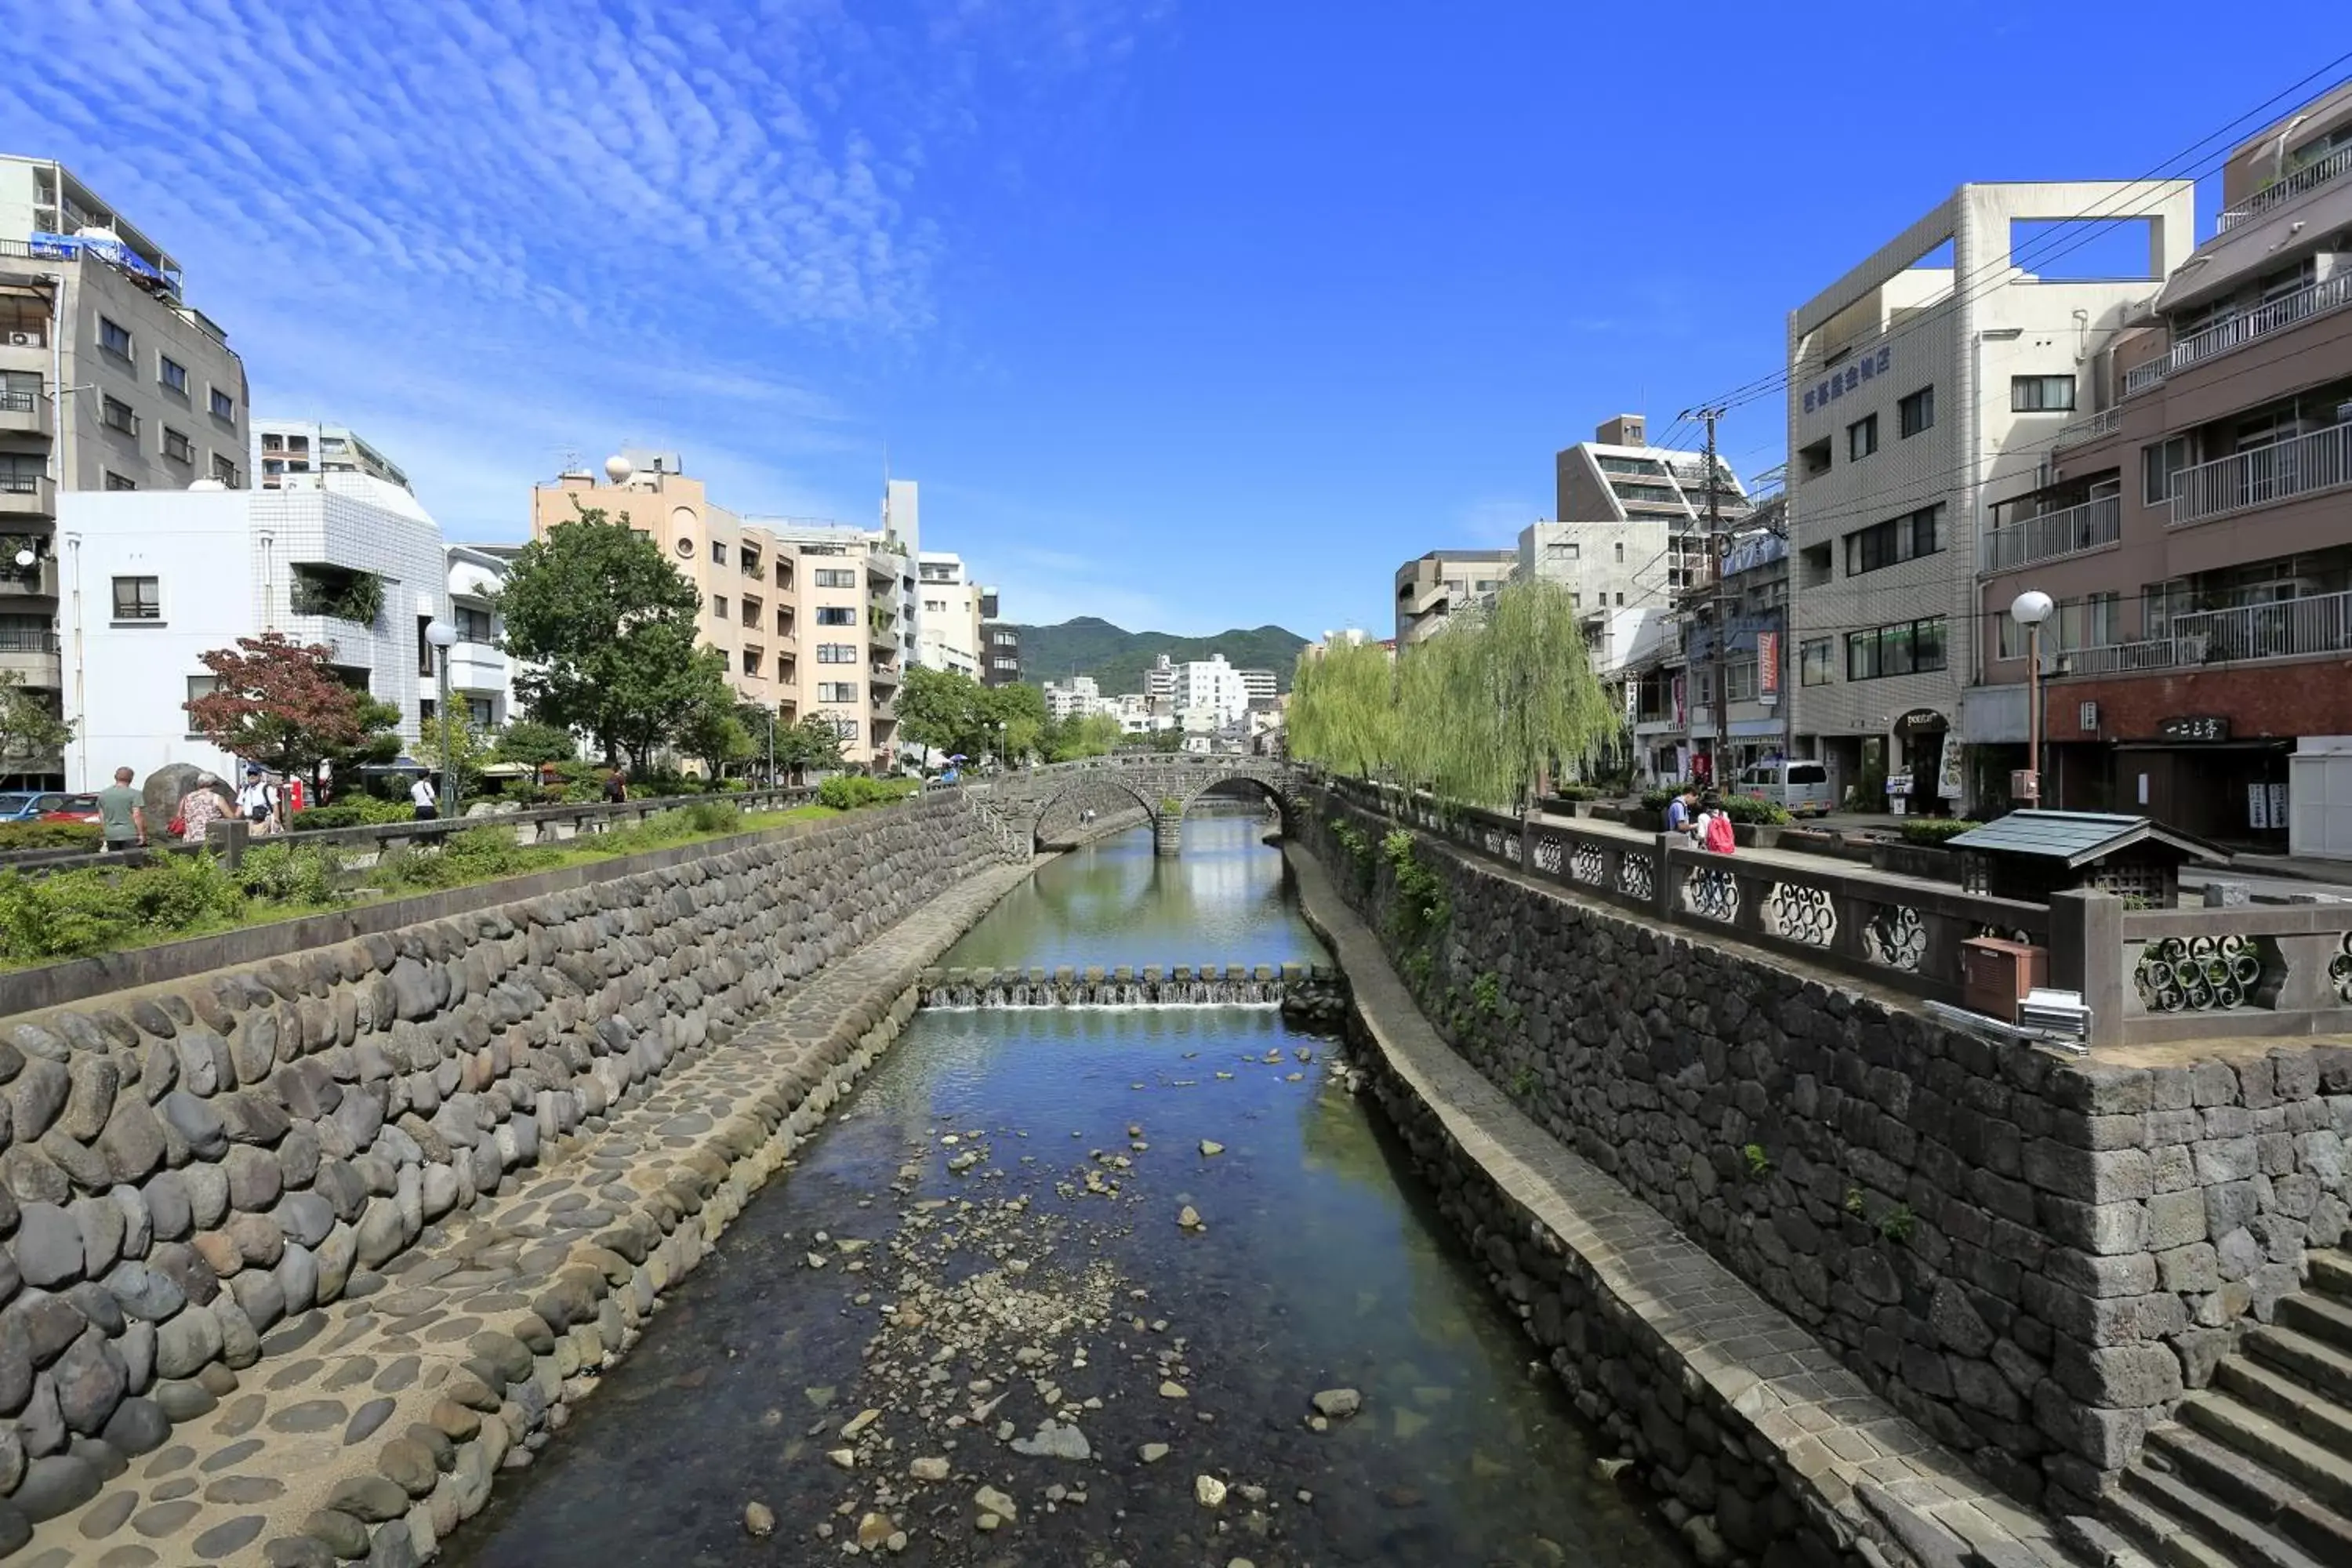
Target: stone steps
{"x":2255,"y":1471}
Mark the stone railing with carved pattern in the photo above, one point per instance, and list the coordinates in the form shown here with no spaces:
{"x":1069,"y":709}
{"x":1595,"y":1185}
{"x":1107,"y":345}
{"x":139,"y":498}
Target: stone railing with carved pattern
{"x":2267,"y":971}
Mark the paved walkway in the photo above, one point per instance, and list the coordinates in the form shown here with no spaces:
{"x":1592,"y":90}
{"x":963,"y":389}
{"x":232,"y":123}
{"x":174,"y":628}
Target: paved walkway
{"x":1832,"y":1434}
{"x":368,"y":1429}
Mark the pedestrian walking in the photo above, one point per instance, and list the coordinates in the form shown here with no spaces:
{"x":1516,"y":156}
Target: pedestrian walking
{"x":123,"y":821}
{"x":199,"y":809}
{"x":1713,"y":831}
{"x":257,"y":801}
{"x":422,"y":796}
{"x":617,"y":788}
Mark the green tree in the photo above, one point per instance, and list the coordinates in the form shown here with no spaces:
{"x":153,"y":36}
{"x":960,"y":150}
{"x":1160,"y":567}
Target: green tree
{"x":945,"y":712}
{"x":715,"y":736}
{"x":450,"y":737}
{"x":608,"y":627}
{"x":531,"y":743}
{"x":1016,"y":718}
{"x":813,"y":745}
{"x":30,"y":729}
{"x":1343,"y":710}
{"x":1096,"y":735}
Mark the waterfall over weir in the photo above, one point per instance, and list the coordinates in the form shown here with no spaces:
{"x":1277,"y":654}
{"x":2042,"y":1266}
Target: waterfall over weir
{"x":1294,"y":987}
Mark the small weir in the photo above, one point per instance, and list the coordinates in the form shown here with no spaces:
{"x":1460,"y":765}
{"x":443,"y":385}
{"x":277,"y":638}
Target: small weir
{"x":1102,"y":1266}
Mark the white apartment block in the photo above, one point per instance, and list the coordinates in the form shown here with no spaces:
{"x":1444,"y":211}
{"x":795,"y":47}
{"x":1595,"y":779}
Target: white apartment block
{"x":157,"y":578}
{"x":1608,"y":565}
{"x":1918,"y":382}
{"x":295,"y":447}
{"x":1619,"y":477}
{"x":1260,"y":685}
{"x":1077,"y":697}
{"x":950,"y":616}
{"x":1211,"y":686}
{"x":481,"y":675}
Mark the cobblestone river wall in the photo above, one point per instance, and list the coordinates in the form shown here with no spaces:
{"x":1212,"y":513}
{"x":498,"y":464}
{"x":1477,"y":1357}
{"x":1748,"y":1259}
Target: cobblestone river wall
{"x":185,"y":1170}
{"x":2029,"y":1256}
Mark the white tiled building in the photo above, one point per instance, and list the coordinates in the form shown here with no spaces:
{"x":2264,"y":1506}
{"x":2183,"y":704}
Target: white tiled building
{"x":159,"y":577}
{"x":1931,"y":370}
{"x":1211,"y":686}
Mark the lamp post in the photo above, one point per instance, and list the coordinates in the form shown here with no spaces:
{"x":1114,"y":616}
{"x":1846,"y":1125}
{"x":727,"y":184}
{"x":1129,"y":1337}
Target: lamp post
{"x":2029,"y":610}
{"x":442,"y":636}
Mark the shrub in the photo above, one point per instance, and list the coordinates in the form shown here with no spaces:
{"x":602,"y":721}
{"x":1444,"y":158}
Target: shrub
{"x":1420,"y":909}
{"x":1749,"y":809}
{"x":289,"y":873}
{"x":1930,"y":831}
{"x":474,"y":855}
{"x":356,"y":811}
{"x":1655,"y":799}
{"x":848,"y":792}
{"x":1576,"y":792}
{"x":711,"y":817}
{"x":51,"y":835}
{"x":87,"y":911}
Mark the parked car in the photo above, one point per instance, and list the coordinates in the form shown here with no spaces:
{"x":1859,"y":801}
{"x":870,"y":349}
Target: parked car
{"x":72,"y":808}
{"x":31,"y":805}
{"x":1798,"y":787}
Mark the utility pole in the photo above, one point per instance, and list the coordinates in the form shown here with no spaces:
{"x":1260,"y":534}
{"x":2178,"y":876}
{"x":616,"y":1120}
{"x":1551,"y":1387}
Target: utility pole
{"x":1719,"y":704}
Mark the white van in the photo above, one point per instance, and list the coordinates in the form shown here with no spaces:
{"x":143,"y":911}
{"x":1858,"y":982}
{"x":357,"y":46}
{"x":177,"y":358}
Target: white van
{"x":1798,"y":785}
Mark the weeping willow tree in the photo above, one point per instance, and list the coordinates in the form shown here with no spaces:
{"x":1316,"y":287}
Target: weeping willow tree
{"x":1479,"y":712}
{"x":1343,"y":711}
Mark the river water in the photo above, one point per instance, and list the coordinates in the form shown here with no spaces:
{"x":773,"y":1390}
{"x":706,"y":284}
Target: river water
{"x":1053,"y":1277}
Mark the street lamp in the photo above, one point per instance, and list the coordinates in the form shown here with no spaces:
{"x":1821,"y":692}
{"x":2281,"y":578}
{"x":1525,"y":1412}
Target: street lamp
{"x":2029,"y":610}
{"x":442,"y":635}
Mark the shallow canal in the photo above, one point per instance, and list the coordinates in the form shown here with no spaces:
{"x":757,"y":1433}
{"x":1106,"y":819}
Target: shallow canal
{"x":971,"y":1303}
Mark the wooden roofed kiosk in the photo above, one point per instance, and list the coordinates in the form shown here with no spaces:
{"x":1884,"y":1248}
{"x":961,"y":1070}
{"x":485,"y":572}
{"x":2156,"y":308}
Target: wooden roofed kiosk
{"x":2030,"y":855}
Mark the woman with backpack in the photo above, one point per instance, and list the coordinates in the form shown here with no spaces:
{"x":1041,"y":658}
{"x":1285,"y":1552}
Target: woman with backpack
{"x":1712,"y":832}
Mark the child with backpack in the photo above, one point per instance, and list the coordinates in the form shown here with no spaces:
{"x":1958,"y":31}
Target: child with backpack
{"x":1712,"y":832}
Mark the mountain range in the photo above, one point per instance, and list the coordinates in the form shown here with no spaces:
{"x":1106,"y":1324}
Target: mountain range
{"x":1118,"y":658}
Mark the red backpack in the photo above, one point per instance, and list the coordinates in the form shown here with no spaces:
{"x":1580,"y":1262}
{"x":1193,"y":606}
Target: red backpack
{"x":1719,"y":836}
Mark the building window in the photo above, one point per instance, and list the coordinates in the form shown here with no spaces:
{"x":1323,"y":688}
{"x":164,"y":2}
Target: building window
{"x":1813,"y":461}
{"x":224,"y":470}
{"x":2041,"y":394}
{"x":177,"y":446}
{"x":1906,"y":648}
{"x":835,"y":577}
{"x":751,"y":661}
{"x":473,"y":625}
{"x":935,"y":607}
{"x":1895,"y":542}
{"x":718,"y":606}
{"x":171,"y":374}
{"x":115,"y":482}
{"x":836,"y":653}
{"x":480,"y":711}
{"x":836,"y":691}
{"x":752,"y":608}
{"x":117,"y":415}
{"x":1740,"y":681}
{"x":835,"y":616}
{"x":1862,"y":438}
{"x":2160,"y":466}
{"x":200,"y":686}
{"x":718,"y":553}
{"x":1621,"y":552}
{"x":783,"y":622}
{"x":223,"y":406}
{"x":1916,"y":412}
{"x":114,"y":338}
{"x":845,"y":728}
{"x":426,"y":709}
{"x":1560,"y":552}
{"x":138,"y":599}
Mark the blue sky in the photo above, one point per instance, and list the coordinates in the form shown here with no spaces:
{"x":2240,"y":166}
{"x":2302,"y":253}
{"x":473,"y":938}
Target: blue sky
{"x":1187,"y":315}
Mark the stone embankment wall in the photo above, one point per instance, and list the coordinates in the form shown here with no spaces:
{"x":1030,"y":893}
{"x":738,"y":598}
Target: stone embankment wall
{"x":2031,"y":1257}
{"x":182,"y":1168}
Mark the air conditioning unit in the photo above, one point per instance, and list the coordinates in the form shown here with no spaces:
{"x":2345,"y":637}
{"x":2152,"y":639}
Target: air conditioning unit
{"x":24,"y":340}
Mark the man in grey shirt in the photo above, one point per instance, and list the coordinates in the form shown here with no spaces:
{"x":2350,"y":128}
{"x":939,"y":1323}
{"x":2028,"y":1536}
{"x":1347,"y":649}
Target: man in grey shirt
{"x":120,"y":817}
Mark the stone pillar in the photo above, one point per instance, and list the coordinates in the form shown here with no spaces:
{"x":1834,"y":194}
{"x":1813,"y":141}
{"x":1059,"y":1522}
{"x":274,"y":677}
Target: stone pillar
{"x":226,"y":837}
{"x":2086,"y":954}
{"x":1167,"y":832}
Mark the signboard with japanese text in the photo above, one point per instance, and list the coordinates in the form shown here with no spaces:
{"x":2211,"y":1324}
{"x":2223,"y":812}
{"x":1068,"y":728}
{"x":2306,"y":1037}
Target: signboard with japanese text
{"x":2197,"y":728}
{"x":1768,"y":667}
{"x":1865,"y":367}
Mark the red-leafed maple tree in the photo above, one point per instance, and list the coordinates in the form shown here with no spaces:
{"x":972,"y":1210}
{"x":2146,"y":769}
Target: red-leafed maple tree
{"x":280,"y":703}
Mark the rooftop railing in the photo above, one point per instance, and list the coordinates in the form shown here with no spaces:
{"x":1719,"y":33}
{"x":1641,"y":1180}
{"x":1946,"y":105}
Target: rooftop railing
{"x":2308,"y":178}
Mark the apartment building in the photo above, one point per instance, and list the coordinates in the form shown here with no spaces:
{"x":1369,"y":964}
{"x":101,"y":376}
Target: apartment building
{"x":109,"y":380}
{"x":1618,"y":479}
{"x":2193,"y":525}
{"x":298,"y":447}
{"x":1432,"y":587}
{"x":1000,"y":643}
{"x":1211,"y":686}
{"x":481,"y":675}
{"x":1077,"y":697}
{"x":1749,"y":618}
{"x":1933,"y":374}
{"x":1263,"y":688}
{"x":950,"y":637}
{"x":1619,"y":563}
{"x":166,"y":577}
{"x":771,"y":585}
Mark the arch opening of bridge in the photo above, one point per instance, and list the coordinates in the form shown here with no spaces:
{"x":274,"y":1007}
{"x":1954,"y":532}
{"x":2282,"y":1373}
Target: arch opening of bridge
{"x":1164,"y":786}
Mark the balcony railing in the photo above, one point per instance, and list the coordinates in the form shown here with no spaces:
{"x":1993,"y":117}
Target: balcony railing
{"x":21,"y":639}
{"x":2119,"y":659}
{"x":2319,"y":624}
{"x":2271,"y":316}
{"x":2090,"y":427}
{"x":2046,"y":538}
{"x":2140,"y":377}
{"x":2266,"y":475}
{"x":2310,"y":177}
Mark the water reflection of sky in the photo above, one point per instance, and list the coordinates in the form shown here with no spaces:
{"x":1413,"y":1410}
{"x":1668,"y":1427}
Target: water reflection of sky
{"x":1221,"y":901}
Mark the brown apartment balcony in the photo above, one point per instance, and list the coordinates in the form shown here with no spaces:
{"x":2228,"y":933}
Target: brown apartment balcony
{"x":2290,"y":187}
{"x":2086,"y":525}
{"x":2267,"y":476}
{"x":2239,"y":327}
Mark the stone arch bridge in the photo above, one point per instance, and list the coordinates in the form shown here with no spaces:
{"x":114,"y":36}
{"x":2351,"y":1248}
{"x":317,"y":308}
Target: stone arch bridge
{"x":1165,"y":784}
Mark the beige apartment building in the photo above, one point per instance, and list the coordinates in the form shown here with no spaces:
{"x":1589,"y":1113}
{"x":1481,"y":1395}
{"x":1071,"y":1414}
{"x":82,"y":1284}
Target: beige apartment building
{"x":1429,"y":588}
{"x":109,"y":380}
{"x":810,"y":615}
{"x":2194,"y":527}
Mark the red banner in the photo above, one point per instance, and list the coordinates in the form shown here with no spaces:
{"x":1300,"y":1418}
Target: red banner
{"x":1767,"y":667}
